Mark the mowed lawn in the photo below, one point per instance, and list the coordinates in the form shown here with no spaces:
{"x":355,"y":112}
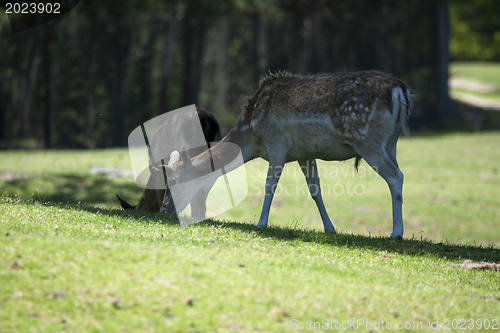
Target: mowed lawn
{"x":451,"y":189}
{"x":72,"y":260}
{"x":476,"y":82}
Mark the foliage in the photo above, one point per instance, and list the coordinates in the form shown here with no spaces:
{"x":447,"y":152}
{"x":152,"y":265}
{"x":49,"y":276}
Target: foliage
{"x":475,"y":30}
{"x":90,"y":77}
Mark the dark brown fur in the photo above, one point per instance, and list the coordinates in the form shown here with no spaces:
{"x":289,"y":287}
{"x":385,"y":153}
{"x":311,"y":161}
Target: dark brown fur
{"x":151,"y":199}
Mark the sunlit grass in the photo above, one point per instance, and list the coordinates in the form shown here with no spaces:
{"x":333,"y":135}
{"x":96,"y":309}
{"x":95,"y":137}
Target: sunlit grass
{"x":72,"y":260}
{"x":451,"y":188}
{"x":486,"y":95}
{"x":451,"y":191}
{"x":486,"y":75}
{"x":484,"y":72}
{"x":78,"y":269}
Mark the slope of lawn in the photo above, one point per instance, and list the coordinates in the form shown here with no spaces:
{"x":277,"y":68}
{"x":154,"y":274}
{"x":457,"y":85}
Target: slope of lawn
{"x":476,"y":83}
{"x":484,"y":72}
{"x":451,"y":189}
{"x":71,"y":260}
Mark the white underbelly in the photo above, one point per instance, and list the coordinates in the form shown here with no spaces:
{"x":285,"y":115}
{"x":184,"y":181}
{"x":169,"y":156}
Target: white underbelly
{"x":317,"y":138}
{"x":328,"y":150}
{"x":308,"y":138}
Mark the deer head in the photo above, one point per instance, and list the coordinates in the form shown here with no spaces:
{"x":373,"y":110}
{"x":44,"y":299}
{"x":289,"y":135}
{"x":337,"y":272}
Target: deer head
{"x":183,"y":181}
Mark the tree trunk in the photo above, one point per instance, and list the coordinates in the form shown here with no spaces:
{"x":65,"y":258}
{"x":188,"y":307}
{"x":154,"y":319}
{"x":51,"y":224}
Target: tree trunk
{"x":441,"y":62}
{"x":46,"y":103}
{"x":90,"y":92}
{"x":4,"y":109}
{"x":166,"y":58}
{"x":121,"y":40}
{"x":26,"y":91}
{"x":193,"y":50}
{"x":220,"y":75}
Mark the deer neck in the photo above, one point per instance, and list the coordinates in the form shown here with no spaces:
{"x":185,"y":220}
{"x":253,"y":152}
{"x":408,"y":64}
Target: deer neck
{"x":225,"y":154}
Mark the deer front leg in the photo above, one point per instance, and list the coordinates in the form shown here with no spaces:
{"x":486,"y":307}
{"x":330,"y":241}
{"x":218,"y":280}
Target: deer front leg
{"x":276,"y":164}
{"x":310,"y":171}
{"x":199,"y":204}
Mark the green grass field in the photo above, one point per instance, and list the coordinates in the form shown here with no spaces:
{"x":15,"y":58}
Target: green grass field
{"x":72,"y":261}
{"x":484,"y":72}
{"x":477,"y":80}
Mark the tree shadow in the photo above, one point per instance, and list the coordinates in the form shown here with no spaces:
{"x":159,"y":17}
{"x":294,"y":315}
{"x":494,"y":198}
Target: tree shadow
{"x":92,"y":192}
{"x":72,"y":188}
{"x":473,"y":118}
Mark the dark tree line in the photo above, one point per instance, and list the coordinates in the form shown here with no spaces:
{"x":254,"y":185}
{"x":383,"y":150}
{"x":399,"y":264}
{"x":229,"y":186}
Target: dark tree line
{"x":90,"y":77}
{"x":475,"y":30}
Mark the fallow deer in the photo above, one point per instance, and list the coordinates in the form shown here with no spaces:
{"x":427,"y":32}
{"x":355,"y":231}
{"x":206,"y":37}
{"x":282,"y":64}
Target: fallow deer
{"x":302,"y":118}
{"x":152,"y":199}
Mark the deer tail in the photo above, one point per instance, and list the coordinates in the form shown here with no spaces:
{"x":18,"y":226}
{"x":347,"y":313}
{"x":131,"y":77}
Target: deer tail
{"x":401,"y":107}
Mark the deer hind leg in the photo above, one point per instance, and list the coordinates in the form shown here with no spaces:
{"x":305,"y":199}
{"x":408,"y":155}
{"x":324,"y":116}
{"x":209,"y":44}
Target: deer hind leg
{"x":199,"y":204}
{"x":390,"y":147}
{"x":310,"y":171}
{"x":383,"y":161}
{"x":276,"y":163}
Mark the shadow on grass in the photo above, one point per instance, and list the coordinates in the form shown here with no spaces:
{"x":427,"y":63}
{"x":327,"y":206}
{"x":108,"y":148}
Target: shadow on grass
{"x":72,"y":188}
{"x":411,"y":246}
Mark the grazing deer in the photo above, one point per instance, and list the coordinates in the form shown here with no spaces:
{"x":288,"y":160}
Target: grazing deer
{"x":152,"y":199}
{"x":302,"y":118}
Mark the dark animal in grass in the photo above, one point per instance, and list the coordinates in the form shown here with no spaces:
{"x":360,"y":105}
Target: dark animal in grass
{"x":152,"y":199}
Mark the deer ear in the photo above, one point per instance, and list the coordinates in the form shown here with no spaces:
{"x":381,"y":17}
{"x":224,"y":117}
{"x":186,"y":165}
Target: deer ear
{"x":174,"y":158}
{"x":185,"y":158}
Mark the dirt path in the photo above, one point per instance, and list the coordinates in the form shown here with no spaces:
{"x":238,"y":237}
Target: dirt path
{"x":474,"y":86}
{"x":461,"y":83}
